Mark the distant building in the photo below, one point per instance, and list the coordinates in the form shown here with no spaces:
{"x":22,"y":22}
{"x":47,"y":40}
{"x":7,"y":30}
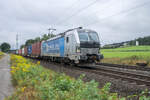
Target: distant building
{"x":125,"y":43}
{"x":137,"y":43}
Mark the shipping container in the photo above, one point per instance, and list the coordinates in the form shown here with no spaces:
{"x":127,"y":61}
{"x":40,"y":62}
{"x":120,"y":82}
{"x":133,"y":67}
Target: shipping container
{"x":25,"y":51}
{"x":53,"y":47}
{"x":19,"y":51}
{"x":29,"y":50}
{"x":22,"y":51}
{"x":36,"y":49}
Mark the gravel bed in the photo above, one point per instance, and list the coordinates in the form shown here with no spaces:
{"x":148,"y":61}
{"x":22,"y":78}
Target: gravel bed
{"x":123,"y":88}
{"x":128,"y":70}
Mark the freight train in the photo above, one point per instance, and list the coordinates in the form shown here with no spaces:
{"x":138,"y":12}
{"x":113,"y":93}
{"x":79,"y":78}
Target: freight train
{"x":77,"y":46}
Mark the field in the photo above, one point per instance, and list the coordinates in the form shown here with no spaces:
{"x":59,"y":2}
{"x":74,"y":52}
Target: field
{"x":129,"y":49}
{"x":127,"y":55}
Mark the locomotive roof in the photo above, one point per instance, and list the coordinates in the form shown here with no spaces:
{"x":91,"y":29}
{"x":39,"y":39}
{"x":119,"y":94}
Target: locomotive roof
{"x":58,"y":36}
{"x":62,"y":34}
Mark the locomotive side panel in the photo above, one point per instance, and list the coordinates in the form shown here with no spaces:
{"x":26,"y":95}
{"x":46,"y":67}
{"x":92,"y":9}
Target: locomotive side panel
{"x":61,"y":46}
{"x":53,"y":48}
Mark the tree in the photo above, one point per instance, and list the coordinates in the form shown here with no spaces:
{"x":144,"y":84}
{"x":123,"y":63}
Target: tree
{"x":37,"y":39}
{"x":142,"y":41}
{"x":5,"y":47}
{"x":22,"y":46}
{"x":29,"y":42}
{"x":46,"y":37}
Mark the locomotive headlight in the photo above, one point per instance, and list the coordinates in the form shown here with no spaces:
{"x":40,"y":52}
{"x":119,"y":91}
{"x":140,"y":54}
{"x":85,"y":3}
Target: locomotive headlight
{"x":78,"y":49}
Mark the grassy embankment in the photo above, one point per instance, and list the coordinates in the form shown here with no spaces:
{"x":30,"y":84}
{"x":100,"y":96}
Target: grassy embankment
{"x":34,"y":82}
{"x":127,"y":55}
{"x":1,"y":54}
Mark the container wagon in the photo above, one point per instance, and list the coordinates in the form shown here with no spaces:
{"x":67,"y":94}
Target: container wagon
{"x":12,"y":51}
{"x":17,"y":52}
{"x":36,"y":50}
{"x":29,"y":50}
{"x":22,"y":51}
{"x":25,"y":51}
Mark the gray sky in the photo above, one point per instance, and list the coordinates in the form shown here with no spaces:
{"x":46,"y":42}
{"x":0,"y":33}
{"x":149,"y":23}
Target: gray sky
{"x":114,"y":20}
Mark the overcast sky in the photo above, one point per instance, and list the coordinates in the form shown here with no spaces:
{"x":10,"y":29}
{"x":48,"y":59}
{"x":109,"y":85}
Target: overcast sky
{"x":114,"y":20}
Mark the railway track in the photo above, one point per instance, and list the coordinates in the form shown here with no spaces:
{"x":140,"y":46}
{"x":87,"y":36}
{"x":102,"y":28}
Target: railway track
{"x":139,"y":79}
{"x":113,"y":72}
{"x":141,"y":68}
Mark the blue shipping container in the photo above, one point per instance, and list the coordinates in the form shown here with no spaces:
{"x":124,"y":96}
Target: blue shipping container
{"x":29,"y":49}
{"x":53,"y":47}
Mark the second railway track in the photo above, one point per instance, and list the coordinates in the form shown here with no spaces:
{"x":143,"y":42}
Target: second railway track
{"x":139,"y":79}
{"x":141,"y":68}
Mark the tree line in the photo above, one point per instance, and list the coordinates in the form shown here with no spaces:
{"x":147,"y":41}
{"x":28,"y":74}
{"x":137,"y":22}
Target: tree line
{"x":37,"y":39}
{"x":5,"y":47}
{"x":142,"y":41}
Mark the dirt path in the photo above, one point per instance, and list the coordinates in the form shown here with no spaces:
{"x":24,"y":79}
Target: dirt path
{"x":6,"y":87}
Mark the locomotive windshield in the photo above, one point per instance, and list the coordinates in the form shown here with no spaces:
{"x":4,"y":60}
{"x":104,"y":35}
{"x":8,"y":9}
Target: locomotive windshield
{"x":88,"y":36}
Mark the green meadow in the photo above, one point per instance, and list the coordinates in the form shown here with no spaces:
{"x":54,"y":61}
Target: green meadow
{"x":128,"y":49}
{"x":127,"y":55}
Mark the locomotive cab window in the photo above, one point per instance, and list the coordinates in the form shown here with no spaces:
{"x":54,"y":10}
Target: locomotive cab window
{"x":67,"y":40}
{"x":88,"y":36}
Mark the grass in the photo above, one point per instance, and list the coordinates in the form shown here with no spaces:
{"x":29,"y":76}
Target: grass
{"x":1,"y":54}
{"x":127,"y":55}
{"x":141,"y":55}
{"x":128,"y":49}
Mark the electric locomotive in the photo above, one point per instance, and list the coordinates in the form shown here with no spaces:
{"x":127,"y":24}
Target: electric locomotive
{"x":76,"y":46}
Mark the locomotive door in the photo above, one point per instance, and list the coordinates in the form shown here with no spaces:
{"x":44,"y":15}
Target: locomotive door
{"x":70,"y":47}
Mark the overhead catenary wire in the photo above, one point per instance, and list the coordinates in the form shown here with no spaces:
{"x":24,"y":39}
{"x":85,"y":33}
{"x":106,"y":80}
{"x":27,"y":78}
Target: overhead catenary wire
{"x":124,"y":11}
{"x":77,"y":12}
{"x":69,"y":8}
{"x":116,"y":14}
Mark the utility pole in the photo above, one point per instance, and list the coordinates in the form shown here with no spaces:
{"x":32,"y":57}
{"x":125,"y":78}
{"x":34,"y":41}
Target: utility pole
{"x":50,"y":30}
{"x":17,"y":41}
